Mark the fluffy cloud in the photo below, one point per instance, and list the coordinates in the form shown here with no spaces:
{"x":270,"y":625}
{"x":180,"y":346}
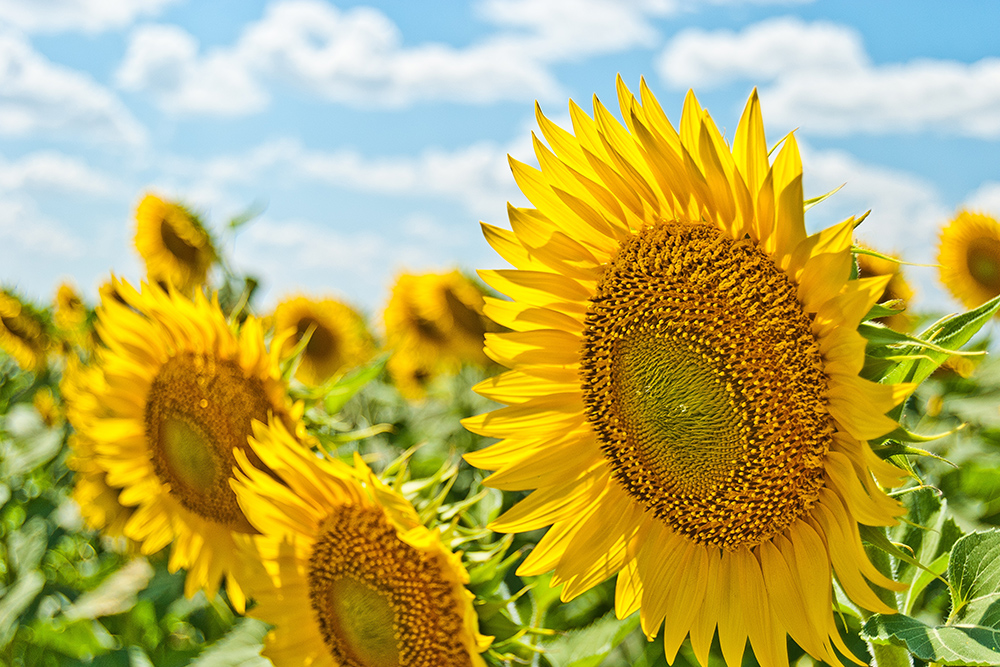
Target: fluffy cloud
{"x":25,"y":232}
{"x":476,"y":177}
{"x":357,"y":56}
{"x":165,"y":61}
{"x":84,"y":15}
{"x":48,"y":171}
{"x":822,"y":79}
{"x":985,"y":199}
{"x":38,"y":97}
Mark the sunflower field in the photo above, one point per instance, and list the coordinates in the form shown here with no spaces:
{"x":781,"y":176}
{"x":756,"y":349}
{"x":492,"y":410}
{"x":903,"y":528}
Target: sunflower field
{"x":675,"y":429}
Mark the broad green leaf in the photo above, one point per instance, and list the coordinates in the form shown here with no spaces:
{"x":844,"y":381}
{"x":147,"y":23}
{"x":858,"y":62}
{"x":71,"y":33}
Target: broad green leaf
{"x":944,"y":645}
{"x":949,"y":333}
{"x":239,"y":648}
{"x":589,"y":646}
{"x":971,"y":635}
{"x":349,"y":385}
{"x":15,"y":600}
{"x":116,"y":594}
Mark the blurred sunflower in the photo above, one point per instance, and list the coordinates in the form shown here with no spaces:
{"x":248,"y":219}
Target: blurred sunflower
{"x":69,"y":311}
{"x":897,"y":289}
{"x":174,"y":244}
{"x":685,"y":394}
{"x":98,"y":502}
{"x":345,"y":571}
{"x":434,"y":323}
{"x":339,"y":338}
{"x":22,"y":332}
{"x":969,"y":258}
{"x":170,"y":394}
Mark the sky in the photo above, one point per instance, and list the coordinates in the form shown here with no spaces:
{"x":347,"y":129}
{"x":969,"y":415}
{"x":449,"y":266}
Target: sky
{"x":372,"y":137}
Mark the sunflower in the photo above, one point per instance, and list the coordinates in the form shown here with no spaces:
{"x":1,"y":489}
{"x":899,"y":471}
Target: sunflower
{"x":170,"y":394}
{"x":897,"y":289}
{"x":969,"y":258}
{"x":684,"y":395}
{"x":344,"y":569}
{"x":98,"y":502}
{"x":434,"y":323}
{"x":69,"y":311}
{"x":338,"y":341}
{"x":174,"y":244}
{"x":22,"y":332}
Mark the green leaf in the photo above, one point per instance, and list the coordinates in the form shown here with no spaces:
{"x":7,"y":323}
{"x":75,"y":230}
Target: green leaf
{"x":240,"y":647}
{"x":349,"y":385}
{"x":15,"y":600}
{"x":589,"y":646}
{"x":972,"y":634}
{"x":949,"y":333}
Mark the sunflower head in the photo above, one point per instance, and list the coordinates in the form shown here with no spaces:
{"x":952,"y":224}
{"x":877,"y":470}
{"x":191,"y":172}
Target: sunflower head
{"x":898,"y":289}
{"x":969,"y":258}
{"x":338,"y":337}
{"x":23,"y":332}
{"x":168,"y":397}
{"x":434,"y":323}
{"x":684,"y":393}
{"x":344,"y":569}
{"x":69,"y":311}
{"x":174,"y":244}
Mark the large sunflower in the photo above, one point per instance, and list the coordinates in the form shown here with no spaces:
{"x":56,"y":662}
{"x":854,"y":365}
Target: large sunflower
{"x":339,"y":339}
{"x":969,"y":258}
{"x":22,"y":332}
{"x":345,"y":571}
{"x":174,"y":244}
{"x":684,"y":393}
{"x":171,"y":392}
{"x":433,"y":323}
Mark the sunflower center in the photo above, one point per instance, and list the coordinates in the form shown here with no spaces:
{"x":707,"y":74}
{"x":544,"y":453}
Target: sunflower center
{"x":983,"y":256}
{"x":378,"y":601}
{"x":464,"y":318}
{"x":178,"y":247}
{"x":198,"y":410}
{"x":321,"y":344}
{"x":705,"y":385}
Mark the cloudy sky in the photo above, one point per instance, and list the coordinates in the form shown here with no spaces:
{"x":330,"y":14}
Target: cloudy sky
{"x":373,"y":135}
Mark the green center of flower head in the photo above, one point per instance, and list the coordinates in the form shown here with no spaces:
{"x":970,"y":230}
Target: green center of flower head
{"x":197,"y":411}
{"x":378,"y":601}
{"x":983,"y":257}
{"x":705,"y":386}
{"x":363,"y":618}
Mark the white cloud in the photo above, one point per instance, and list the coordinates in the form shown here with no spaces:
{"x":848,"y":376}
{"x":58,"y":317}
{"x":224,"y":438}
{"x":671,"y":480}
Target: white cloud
{"x":90,"y":16}
{"x":985,"y":199}
{"x":476,"y":177}
{"x":49,"y":170}
{"x":357,"y":56}
{"x":38,"y":97}
{"x":164,"y":59}
{"x":823,"y":80}
{"x":24,"y":230}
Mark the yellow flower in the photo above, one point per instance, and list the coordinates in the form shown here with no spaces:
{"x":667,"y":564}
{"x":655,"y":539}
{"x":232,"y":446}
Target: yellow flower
{"x":98,"y":502}
{"x":969,"y":258}
{"x":22,"y":332}
{"x":339,"y":341}
{"x":170,"y":394}
{"x":684,"y":393}
{"x":897,"y":289}
{"x":69,"y":312}
{"x":345,"y":571}
{"x":433,"y":322}
{"x":47,"y":407}
{"x":173,"y":243}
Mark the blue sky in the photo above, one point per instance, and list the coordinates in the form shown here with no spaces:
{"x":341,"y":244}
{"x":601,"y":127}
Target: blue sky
{"x":374,"y":135}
